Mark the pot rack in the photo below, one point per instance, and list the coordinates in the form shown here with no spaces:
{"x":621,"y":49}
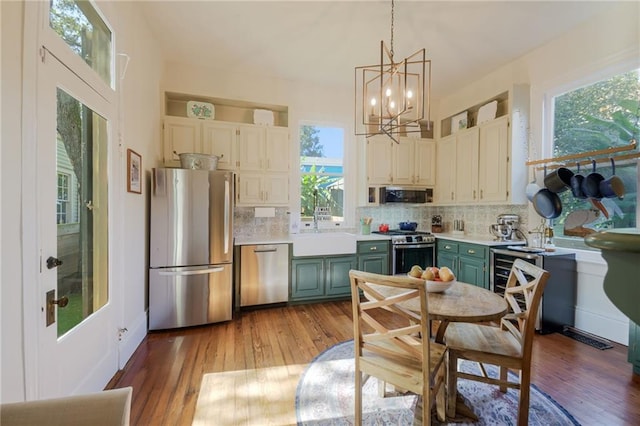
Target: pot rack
{"x":604,"y":154}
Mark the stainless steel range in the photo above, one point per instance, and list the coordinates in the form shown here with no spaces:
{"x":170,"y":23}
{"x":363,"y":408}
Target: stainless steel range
{"x":410,"y":248}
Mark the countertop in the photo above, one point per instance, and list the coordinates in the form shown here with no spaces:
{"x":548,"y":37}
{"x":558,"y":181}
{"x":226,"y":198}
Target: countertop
{"x":485,"y":240}
{"x":288,"y":238}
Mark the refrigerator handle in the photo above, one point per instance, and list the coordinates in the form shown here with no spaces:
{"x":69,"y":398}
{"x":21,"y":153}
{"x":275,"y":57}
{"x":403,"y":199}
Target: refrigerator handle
{"x":228,"y":204}
{"x":192,"y":272}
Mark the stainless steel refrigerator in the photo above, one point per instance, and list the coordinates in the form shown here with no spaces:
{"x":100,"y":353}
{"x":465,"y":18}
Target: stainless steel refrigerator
{"x":191,"y":247}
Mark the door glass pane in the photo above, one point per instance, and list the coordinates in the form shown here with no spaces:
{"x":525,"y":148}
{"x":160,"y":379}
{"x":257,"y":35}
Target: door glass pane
{"x":84,"y":31}
{"x":81,"y":210}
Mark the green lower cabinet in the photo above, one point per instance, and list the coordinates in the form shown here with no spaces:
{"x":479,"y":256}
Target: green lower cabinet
{"x":469,"y":262}
{"x":373,"y":256}
{"x":449,"y":260}
{"x":472,"y":271}
{"x":337,"y":269}
{"x":326,"y":277}
{"x":307,"y":278}
{"x":634,"y":346}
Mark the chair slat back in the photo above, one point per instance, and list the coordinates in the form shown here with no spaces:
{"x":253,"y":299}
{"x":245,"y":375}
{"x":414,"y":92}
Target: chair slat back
{"x":528,"y":281}
{"x":381,"y":324}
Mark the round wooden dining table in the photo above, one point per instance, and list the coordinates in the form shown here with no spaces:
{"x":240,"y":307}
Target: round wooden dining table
{"x":461,"y":302}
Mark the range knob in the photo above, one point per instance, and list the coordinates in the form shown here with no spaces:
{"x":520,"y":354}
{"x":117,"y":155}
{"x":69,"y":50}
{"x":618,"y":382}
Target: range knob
{"x":418,"y":239}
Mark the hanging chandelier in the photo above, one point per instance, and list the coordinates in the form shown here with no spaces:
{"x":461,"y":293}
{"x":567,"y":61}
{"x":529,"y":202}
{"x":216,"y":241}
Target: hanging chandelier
{"x":392,"y":98}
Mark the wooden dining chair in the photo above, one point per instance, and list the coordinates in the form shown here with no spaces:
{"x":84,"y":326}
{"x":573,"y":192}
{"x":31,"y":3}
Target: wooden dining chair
{"x":508,"y":346}
{"x":388,"y":343}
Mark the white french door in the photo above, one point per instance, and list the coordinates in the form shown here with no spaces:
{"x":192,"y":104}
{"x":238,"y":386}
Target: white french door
{"x":77,"y":335}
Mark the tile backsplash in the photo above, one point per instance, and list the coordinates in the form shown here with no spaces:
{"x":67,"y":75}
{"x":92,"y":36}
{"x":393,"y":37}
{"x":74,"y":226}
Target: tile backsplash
{"x":477,"y":219}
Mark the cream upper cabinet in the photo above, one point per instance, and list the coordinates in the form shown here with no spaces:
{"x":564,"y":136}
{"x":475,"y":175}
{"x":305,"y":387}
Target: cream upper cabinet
{"x":202,"y":137}
{"x":480,"y":173}
{"x":277,"y":149}
{"x":446,"y":170}
{"x":263,"y":149}
{"x":404,"y":158}
{"x":263,"y":189}
{"x":220,"y":139}
{"x":379,"y":160}
{"x":410,"y":162}
{"x":494,"y":161}
{"x":425,"y":162}
{"x":466,"y":176}
{"x":180,"y":135}
{"x":491,"y":159}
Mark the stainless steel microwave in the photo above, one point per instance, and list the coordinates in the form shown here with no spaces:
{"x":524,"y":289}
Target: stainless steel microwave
{"x":399,"y":194}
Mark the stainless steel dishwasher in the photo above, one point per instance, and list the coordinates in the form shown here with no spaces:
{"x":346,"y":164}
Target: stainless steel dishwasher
{"x":264,"y":274}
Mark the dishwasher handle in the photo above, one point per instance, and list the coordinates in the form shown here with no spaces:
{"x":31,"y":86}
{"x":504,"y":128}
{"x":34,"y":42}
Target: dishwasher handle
{"x":270,"y":250}
{"x":191,"y":272}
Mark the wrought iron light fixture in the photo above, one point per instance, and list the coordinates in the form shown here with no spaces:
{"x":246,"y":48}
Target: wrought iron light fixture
{"x":391,"y":97}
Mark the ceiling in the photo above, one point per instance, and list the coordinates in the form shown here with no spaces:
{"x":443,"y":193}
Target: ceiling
{"x":322,"y":41}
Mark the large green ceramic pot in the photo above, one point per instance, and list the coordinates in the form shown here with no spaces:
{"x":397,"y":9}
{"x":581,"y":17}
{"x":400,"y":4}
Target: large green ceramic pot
{"x":621,"y":249}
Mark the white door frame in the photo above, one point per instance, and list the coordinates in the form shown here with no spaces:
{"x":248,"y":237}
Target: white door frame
{"x":93,"y":371}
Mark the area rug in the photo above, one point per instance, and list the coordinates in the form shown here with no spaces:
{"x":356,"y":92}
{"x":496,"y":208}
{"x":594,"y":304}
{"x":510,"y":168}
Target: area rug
{"x":325,"y":396}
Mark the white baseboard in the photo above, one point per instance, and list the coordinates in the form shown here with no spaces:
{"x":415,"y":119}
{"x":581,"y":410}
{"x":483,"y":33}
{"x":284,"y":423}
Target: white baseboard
{"x":616,"y":330}
{"x":131,"y":339}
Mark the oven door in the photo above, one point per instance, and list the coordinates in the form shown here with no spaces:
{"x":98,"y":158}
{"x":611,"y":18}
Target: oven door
{"x":404,"y":256}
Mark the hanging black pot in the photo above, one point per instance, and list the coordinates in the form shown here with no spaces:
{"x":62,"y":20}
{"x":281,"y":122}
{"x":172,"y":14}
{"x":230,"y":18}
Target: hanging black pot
{"x":576,"y":184}
{"x":591,"y":184}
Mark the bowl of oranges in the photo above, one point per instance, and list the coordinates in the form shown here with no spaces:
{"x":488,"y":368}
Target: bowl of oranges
{"x":437,"y":279}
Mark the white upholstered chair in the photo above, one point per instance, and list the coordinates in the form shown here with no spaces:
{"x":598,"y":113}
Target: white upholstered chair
{"x":106,"y":408}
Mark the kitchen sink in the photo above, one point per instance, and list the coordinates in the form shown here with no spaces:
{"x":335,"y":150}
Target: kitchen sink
{"x":324,"y":243}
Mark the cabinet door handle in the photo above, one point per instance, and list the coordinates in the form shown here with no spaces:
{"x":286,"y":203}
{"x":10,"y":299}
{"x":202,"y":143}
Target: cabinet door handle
{"x":452,"y":195}
{"x":448,"y":247}
{"x":373,"y":248}
{"x":474,"y":194}
{"x":471,"y":251}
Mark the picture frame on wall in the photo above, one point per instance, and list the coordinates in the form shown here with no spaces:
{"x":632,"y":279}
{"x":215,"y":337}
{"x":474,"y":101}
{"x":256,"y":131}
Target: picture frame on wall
{"x":134,"y":172}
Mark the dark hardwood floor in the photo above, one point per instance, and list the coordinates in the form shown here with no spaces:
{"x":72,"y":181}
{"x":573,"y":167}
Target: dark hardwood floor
{"x":596,"y":386}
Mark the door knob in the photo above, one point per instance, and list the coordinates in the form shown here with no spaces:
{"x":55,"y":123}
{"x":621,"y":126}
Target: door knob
{"x":53,"y":262}
{"x":51,"y":302}
{"x":62,"y":302}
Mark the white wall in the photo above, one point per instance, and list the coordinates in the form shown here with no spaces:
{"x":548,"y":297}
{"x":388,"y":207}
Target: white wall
{"x":139,"y":126}
{"x":609,"y":40}
{"x":140,"y":130}
{"x":11,"y":368}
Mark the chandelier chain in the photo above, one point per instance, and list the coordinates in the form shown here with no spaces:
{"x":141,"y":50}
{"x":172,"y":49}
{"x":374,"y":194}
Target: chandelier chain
{"x":392,"y":13}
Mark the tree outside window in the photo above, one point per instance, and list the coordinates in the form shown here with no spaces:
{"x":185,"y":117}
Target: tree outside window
{"x":321,"y":171}
{"x":596,"y":117}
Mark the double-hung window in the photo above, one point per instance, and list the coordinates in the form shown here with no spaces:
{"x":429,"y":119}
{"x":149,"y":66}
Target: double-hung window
{"x":322,"y":183}
{"x":597,"y":116}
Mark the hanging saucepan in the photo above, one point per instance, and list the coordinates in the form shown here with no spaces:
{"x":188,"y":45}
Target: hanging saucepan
{"x":576,"y":184}
{"x":546,"y":203}
{"x":532,"y":188}
{"x":558,"y":180}
{"x":591,"y":184}
{"x":613,"y":186}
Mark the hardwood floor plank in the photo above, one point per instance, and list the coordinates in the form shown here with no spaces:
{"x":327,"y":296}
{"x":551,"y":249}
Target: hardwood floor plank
{"x":245,"y":372}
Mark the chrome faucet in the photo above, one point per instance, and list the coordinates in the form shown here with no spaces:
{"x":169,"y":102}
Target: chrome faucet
{"x":315,"y":210}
